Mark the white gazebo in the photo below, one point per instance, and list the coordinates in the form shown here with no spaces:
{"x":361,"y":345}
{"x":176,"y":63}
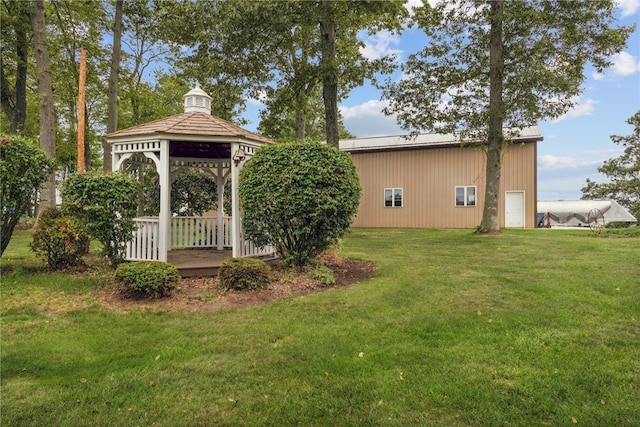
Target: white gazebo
{"x":193,"y":139}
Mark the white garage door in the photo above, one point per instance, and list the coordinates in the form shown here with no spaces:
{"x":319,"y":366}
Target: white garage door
{"x":514,"y":209}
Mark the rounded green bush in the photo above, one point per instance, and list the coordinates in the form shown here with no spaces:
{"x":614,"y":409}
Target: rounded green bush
{"x":244,"y":273}
{"x":299,"y":197}
{"x":107,"y":204}
{"x":148,"y":279}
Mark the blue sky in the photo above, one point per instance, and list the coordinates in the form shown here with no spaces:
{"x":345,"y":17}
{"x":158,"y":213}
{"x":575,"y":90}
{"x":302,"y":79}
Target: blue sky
{"x":574,"y":146}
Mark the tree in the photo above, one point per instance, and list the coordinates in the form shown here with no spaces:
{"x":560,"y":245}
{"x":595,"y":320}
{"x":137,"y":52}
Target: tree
{"x":299,"y":197}
{"x":45,"y":99}
{"x":328,"y":34}
{"x":339,"y":22}
{"x":623,"y":172}
{"x":72,"y":25}
{"x":140,"y":100}
{"x":112,"y":96}
{"x":494,"y":64}
{"x":16,"y":32}
{"x":280,"y":122}
{"x":23,"y":169}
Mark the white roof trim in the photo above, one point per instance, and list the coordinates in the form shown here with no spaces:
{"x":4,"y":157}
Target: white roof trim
{"x":399,"y":142}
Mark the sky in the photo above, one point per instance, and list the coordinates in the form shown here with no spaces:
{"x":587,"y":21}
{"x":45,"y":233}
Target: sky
{"x":574,"y":145}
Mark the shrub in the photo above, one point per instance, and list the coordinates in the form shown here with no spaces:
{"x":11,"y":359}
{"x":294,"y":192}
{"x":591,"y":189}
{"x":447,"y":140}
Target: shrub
{"x":148,"y":279}
{"x":23,"y":169}
{"x":299,"y":197}
{"x":244,"y":273}
{"x":618,"y":224}
{"x":107,"y":204}
{"x":63,"y":240}
{"x":323,"y":274}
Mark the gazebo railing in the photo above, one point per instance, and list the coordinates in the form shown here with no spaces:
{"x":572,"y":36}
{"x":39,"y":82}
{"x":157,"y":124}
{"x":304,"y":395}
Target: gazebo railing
{"x":199,"y":232}
{"x":144,"y":244}
{"x":248,"y":248}
{"x":186,"y":232}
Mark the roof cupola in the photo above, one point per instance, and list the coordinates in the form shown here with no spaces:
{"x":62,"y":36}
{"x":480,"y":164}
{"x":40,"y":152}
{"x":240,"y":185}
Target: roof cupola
{"x":197,"y":101}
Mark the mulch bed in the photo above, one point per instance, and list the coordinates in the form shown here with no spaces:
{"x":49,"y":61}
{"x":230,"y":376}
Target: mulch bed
{"x":206,"y":294}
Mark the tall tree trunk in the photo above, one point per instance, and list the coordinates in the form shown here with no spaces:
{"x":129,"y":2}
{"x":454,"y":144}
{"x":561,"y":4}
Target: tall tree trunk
{"x":301,"y":117}
{"x":45,"y":100}
{"x":14,"y":102}
{"x":112,"y":121}
{"x":329,"y":74}
{"x":495,"y":141}
{"x":87,"y":142}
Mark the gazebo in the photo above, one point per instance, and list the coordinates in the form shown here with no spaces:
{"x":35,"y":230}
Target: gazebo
{"x":193,"y":139}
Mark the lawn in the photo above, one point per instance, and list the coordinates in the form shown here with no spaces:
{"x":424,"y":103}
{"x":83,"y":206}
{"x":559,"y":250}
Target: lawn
{"x":533,"y":327}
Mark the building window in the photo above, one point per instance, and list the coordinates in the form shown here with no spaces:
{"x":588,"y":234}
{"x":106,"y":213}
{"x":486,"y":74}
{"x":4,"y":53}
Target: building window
{"x":393,"y":197}
{"x":466,"y":196}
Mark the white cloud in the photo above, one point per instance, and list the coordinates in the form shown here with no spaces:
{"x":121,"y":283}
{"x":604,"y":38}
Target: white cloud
{"x":625,"y":64}
{"x":629,"y":7}
{"x":583,"y":107}
{"x":367,"y":120}
{"x":367,"y":109}
{"x":586,"y":159}
{"x":562,"y":177}
{"x":380,"y":44}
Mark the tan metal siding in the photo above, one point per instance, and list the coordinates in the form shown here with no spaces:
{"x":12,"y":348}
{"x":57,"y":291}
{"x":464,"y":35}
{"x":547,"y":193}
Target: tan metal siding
{"x":428,"y":178}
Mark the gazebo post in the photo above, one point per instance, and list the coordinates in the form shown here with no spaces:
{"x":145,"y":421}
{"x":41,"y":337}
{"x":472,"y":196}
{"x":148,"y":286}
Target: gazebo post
{"x":235,"y":204}
{"x":164,"y":220}
{"x":220,"y":186}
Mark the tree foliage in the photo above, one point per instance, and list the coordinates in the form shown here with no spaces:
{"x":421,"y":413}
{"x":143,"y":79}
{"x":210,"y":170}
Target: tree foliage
{"x":299,"y":197}
{"x":23,"y":169}
{"x":501,"y":63}
{"x":107,"y":204}
{"x":193,"y":193}
{"x":623,"y":172}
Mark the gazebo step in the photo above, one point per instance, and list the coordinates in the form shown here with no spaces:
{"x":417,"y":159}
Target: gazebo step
{"x":205,"y":263}
{"x":198,"y":271}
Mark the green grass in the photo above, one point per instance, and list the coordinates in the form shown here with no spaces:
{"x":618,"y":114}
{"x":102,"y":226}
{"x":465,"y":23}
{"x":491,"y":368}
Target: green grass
{"x":531,"y":328}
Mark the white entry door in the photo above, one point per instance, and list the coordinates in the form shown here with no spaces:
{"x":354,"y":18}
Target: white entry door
{"x":514,"y":209}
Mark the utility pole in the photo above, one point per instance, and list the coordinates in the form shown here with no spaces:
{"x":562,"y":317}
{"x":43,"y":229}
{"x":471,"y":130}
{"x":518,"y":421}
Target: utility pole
{"x":81,"y":104}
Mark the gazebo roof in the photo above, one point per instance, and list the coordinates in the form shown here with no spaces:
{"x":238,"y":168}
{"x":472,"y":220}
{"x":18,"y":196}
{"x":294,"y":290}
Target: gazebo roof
{"x":190,"y":123}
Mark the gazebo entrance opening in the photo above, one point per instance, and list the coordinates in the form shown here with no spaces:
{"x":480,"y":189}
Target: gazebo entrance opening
{"x":210,"y":229}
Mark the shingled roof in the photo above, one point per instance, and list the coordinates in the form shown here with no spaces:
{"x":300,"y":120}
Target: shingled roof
{"x":191,"y":123}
